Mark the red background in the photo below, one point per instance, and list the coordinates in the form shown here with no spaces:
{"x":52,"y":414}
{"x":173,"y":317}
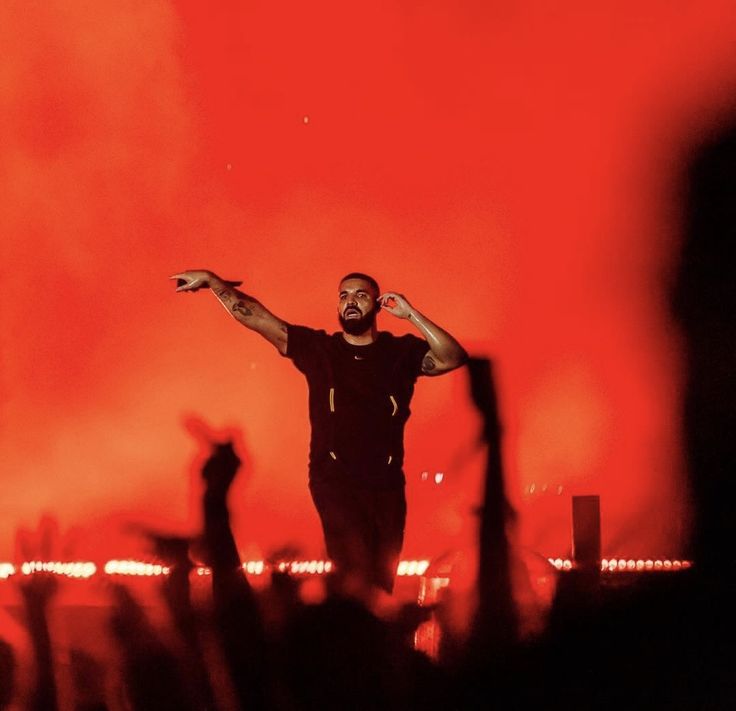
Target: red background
{"x":512,"y":168}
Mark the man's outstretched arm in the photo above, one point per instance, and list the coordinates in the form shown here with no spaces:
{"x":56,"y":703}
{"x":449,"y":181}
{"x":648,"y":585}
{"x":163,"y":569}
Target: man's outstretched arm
{"x":445,"y":353}
{"x":243,"y":308}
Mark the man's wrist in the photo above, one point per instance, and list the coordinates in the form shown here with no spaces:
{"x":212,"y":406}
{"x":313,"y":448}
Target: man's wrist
{"x":214,"y":282}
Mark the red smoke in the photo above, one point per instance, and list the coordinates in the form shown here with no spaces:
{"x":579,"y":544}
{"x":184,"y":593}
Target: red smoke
{"x":512,"y":170}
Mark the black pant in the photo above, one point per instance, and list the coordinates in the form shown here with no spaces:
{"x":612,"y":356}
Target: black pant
{"x":363,"y":528}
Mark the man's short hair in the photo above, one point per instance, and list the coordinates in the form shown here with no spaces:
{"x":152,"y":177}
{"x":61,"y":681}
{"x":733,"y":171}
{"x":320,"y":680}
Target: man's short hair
{"x":364,"y":277}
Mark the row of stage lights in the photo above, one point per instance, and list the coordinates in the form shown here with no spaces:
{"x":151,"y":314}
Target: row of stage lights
{"x":623,"y":565}
{"x":406,"y":568}
{"x":79,"y":569}
{"x":294,"y":567}
{"x":85,"y":569}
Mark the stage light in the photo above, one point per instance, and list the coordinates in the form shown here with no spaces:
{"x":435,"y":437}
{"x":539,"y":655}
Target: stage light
{"x":135,"y":567}
{"x":77,"y":569}
{"x":640,"y":565}
{"x":438,"y":477}
{"x":410,"y":568}
{"x":69,"y":569}
{"x":6,"y":570}
{"x":561,"y":563}
{"x":253,"y":567}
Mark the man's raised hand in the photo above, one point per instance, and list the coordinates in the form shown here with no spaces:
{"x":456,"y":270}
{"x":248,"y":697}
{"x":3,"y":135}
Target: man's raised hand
{"x":192,"y":280}
{"x":196,"y":279}
{"x":220,"y":469}
{"x":396,"y":304}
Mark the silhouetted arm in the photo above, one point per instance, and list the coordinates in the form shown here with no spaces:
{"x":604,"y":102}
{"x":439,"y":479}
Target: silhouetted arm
{"x":37,"y":594}
{"x":237,"y":617}
{"x":151,"y":674}
{"x":88,"y":678}
{"x":176,"y":591}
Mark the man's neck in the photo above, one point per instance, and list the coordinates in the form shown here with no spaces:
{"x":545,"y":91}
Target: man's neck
{"x":361,"y":339}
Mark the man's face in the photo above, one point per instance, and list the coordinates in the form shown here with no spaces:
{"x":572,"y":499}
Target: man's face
{"x":356,"y":306}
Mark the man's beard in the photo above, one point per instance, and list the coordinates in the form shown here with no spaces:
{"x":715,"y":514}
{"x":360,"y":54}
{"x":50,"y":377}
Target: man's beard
{"x":357,"y":326}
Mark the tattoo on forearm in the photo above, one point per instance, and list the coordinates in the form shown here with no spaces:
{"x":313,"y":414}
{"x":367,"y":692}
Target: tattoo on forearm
{"x":236,"y":301}
{"x":428,"y":363}
{"x":241,"y":308}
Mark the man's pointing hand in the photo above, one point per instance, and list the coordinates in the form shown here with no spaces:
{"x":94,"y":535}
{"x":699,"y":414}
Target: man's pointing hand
{"x":196,"y":279}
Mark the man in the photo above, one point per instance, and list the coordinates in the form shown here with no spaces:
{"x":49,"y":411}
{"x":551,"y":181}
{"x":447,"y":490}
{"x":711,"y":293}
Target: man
{"x":361,"y":381}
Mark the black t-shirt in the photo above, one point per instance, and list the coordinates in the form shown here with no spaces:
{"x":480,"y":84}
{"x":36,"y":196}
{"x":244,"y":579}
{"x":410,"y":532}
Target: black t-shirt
{"x":358,"y":402}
